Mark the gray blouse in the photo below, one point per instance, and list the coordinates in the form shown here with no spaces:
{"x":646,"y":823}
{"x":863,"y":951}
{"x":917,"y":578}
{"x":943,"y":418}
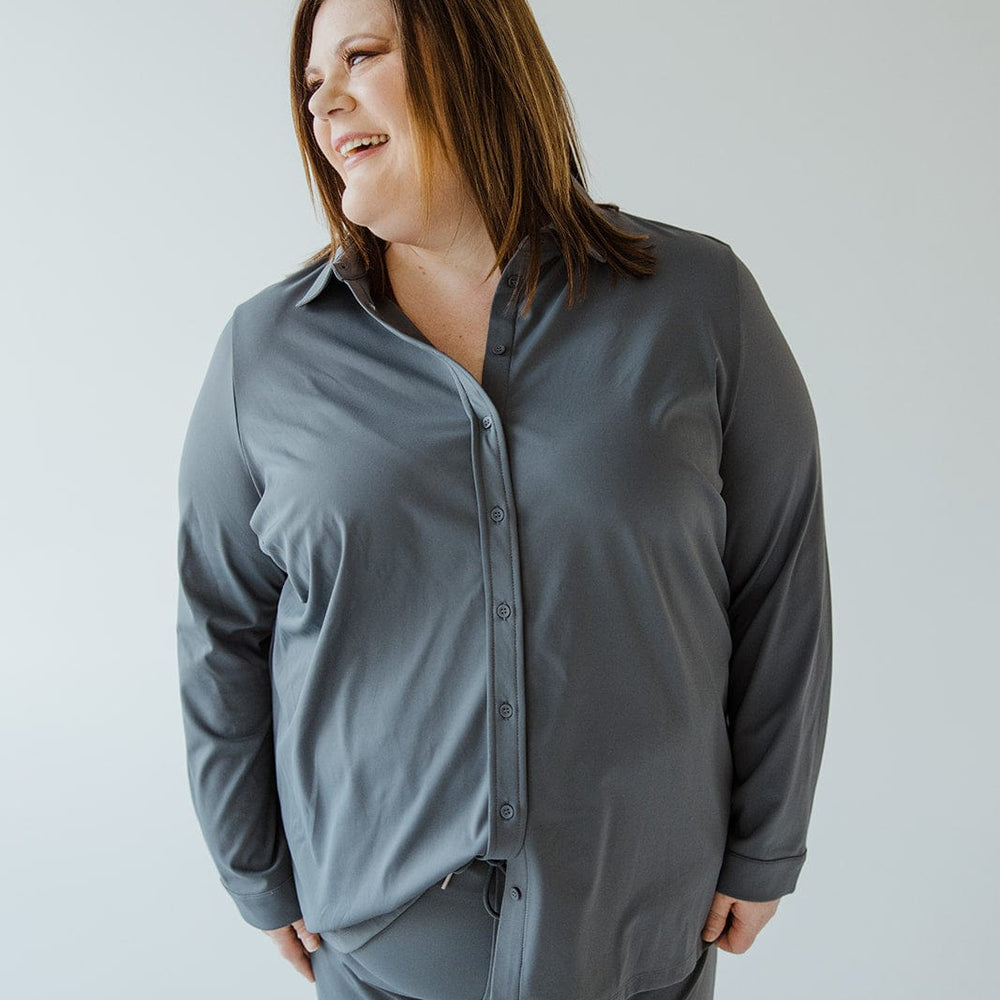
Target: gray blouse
{"x":575,"y":618}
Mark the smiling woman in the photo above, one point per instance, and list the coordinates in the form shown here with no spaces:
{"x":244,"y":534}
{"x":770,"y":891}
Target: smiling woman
{"x":480,"y":121}
{"x":504,"y":620}
{"x":357,"y":101}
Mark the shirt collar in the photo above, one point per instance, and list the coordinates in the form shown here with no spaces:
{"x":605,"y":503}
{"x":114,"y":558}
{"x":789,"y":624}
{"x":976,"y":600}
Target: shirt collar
{"x":329,"y":268}
{"x":348,"y":265}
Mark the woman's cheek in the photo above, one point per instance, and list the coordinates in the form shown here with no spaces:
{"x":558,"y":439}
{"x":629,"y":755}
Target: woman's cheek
{"x":321,"y":132}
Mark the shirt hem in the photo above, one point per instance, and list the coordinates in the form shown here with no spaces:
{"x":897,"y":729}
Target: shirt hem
{"x":658,"y":979}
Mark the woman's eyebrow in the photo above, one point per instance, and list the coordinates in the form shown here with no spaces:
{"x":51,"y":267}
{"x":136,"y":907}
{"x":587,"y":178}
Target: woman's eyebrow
{"x":344,"y":42}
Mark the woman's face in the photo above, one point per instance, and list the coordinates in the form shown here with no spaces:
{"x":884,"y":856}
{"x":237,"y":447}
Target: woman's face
{"x":360,"y":117}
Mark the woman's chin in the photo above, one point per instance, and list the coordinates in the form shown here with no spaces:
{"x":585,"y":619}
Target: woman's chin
{"x":355,"y":212}
{"x":377,"y":224}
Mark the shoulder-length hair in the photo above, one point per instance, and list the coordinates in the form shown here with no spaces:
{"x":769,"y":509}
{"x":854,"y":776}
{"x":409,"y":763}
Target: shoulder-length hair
{"x":480,"y":73}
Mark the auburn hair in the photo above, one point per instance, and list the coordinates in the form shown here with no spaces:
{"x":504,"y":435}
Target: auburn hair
{"x":479,"y":73}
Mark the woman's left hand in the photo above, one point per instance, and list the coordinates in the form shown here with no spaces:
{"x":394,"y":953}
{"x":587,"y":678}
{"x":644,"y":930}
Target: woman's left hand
{"x":296,"y":943}
{"x":733,"y":924}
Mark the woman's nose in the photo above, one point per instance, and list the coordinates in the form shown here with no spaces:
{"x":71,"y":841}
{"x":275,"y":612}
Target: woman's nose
{"x":330,"y":97}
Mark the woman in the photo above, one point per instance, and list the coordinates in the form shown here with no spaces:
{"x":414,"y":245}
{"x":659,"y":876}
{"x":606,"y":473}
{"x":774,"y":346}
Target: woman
{"x":504,"y":624}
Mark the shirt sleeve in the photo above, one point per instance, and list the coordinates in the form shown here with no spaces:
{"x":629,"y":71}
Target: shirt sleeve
{"x":227,"y":602}
{"x":780,"y":619}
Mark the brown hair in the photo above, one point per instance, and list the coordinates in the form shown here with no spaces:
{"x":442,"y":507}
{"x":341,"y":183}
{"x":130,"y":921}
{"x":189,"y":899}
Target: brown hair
{"x":480,"y":71}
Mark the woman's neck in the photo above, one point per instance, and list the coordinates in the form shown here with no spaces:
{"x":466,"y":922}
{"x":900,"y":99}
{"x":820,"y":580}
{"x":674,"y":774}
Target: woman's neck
{"x":458,"y":263}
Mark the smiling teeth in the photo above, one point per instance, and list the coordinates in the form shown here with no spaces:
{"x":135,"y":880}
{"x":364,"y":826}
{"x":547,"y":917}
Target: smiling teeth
{"x":369,"y":140}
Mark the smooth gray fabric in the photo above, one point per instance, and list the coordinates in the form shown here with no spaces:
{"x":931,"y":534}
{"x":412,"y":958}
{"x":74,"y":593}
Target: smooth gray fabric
{"x":576,"y":618}
{"x":441,"y":948}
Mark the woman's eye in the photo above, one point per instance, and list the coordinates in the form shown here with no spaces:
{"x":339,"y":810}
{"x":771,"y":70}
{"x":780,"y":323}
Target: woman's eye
{"x":352,"y":58}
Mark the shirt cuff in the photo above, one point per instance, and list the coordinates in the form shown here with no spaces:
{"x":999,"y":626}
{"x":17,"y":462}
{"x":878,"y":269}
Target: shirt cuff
{"x":758,"y":881}
{"x":268,"y":910}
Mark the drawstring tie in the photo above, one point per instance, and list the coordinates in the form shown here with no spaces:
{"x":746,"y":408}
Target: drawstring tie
{"x":491,"y":890}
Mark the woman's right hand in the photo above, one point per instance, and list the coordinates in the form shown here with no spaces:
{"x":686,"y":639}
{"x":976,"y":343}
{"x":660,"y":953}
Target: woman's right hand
{"x":296,"y":944}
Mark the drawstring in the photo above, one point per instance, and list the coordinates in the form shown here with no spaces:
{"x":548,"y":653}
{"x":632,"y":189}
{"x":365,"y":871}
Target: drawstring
{"x":496,"y":868}
{"x":490,"y":888}
{"x":457,"y":871}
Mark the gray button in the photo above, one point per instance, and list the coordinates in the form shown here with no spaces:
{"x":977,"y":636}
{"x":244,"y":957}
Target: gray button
{"x":506,"y":811}
{"x":504,"y":611}
{"x":512,"y":280}
{"x":499,"y":348}
{"x":497,"y":514}
{"x":506,"y":711}
{"x":487,"y":422}
{"x":515,"y":893}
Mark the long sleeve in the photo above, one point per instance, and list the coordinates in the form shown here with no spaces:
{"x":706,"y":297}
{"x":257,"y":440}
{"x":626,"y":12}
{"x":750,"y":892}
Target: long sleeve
{"x":780,"y":617}
{"x":226,"y":609}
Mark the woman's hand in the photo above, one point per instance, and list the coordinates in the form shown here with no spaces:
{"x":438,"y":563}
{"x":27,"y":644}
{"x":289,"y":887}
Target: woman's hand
{"x":737,"y":921}
{"x":296,"y":943}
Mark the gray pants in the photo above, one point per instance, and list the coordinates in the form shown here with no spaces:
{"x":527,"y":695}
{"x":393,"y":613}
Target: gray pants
{"x":441,"y":947}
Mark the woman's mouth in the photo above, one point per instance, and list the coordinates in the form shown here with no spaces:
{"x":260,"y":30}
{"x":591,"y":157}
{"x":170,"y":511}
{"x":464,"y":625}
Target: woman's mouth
{"x":360,"y":145}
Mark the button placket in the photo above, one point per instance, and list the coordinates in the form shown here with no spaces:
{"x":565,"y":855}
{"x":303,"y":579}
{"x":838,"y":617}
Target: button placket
{"x":505,"y":690}
{"x":501,"y":338}
{"x":505,"y":632}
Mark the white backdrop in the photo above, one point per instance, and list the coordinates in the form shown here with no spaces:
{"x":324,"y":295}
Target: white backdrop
{"x":849,"y":153}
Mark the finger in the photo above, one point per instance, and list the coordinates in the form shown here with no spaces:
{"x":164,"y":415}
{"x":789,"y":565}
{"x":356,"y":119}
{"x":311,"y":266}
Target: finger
{"x":309,"y":940}
{"x":739,"y":936}
{"x":718,"y":914}
{"x":735,"y":942}
{"x":291,"y":950}
{"x":299,"y":957}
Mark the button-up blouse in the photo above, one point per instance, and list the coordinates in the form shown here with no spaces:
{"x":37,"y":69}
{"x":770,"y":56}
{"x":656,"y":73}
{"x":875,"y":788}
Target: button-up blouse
{"x":575,"y":618}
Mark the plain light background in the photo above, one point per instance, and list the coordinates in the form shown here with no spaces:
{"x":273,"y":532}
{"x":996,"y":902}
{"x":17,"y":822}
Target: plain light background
{"x":849,"y":153}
